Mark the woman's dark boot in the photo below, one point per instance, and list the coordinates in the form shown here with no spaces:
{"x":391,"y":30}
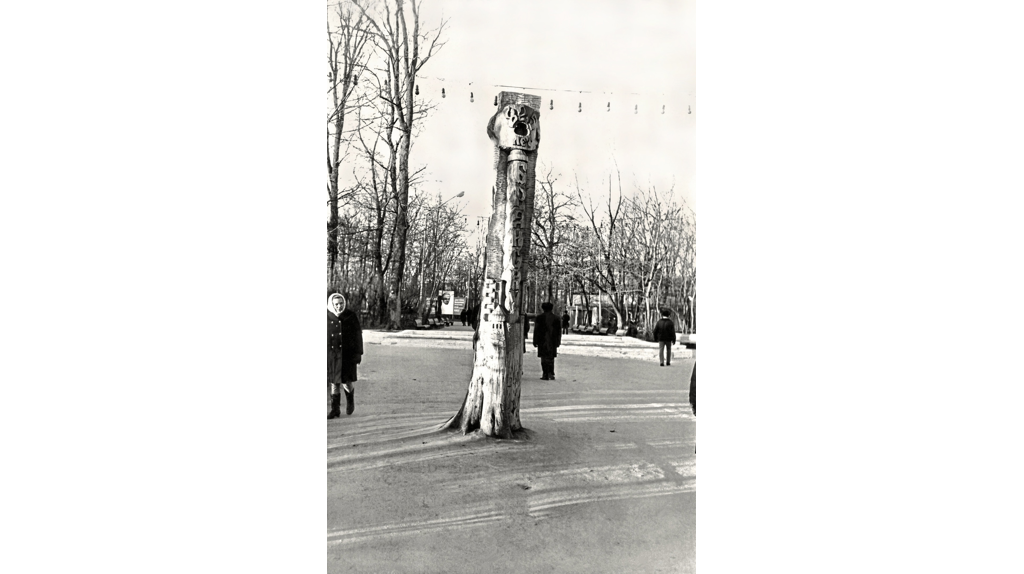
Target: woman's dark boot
{"x":335,"y":407}
{"x":350,"y":401}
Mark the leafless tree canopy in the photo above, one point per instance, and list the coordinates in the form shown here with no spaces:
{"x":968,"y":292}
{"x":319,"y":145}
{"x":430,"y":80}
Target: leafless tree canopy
{"x":605,"y":253}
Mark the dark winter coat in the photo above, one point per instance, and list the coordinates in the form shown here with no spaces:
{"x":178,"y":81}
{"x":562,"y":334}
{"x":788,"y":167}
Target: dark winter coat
{"x":665,"y":330}
{"x":547,"y":335}
{"x":334,"y":358}
{"x":351,"y":344}
{"x":333,"y":334}
{"x":474,"y":316}
{"x":565,"y":320}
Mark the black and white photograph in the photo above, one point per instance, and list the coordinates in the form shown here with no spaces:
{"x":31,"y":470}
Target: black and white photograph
{"x":512,"y":286}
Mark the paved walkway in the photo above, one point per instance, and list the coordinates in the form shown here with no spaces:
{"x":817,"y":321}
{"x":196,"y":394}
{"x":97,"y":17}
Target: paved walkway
{"x":604,"y":483}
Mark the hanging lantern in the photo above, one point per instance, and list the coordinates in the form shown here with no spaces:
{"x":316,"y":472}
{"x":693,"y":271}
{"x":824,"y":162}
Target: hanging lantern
{"x":663,"y":108}
{"x":581,"y":107}
{"x":609,"y":107}
{"x":635,"y":106}
{"x":551,"y":105}
{"x":688,"y":110}
{"x":417,"y":90}
{"x":442,"y":92}
{"x":495,"y":100}
{"x":471,"y":97}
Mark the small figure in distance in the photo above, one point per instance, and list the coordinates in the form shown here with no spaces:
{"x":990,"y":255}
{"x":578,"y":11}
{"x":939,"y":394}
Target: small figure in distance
{"x":547,"y":337}
{"x":565,"y":322}
{"x":665,"y":335}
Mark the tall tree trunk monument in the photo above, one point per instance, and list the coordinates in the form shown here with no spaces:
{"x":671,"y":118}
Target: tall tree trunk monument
{"x":492,"y":400}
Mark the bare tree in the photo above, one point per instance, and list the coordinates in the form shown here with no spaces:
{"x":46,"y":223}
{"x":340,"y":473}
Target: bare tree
{"x":649,"y":233}
{"x":608,"y":244}
{"x":378,"y":184}
{"x":379,"y":198}
{"x":680,"y":277}
{"x":346,"y":56}
{"x":399,"y":41}
{"x":552,"y":215}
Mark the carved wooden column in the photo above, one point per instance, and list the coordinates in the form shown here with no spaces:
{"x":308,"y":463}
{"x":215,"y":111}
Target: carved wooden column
{"x":492,"y":401}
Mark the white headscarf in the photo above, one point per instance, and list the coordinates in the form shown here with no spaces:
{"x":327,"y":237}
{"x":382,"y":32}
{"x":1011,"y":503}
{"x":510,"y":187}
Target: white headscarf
{"x":330,"y":301}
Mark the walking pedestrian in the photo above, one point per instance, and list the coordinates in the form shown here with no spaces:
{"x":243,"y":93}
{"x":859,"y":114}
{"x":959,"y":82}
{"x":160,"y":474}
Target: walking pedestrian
{"x":547,"y":337}
{"x":344,"y":352}
{"x":565,"y":322}
{"x":462,"y":317}
{"x":665,"y":335}
{"x":335,"y":305}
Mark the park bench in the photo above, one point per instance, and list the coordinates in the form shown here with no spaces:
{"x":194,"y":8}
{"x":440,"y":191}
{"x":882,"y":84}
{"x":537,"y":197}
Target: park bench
{"x":420,"y":325}
{"x":689,"y":341}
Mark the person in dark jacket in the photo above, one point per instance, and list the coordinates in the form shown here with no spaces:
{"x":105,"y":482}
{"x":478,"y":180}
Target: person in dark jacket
{"x":547,"y":337}
{"x":665,"y":335}
{"x":565,"y":322}
{"x":335,"y":366}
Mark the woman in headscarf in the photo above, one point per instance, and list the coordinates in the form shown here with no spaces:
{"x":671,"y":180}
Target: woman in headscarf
{"x":335,"y":363}
{"x":344,"y":352}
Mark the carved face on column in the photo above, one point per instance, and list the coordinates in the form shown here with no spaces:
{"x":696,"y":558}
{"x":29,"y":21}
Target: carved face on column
{"x":515,"y":127}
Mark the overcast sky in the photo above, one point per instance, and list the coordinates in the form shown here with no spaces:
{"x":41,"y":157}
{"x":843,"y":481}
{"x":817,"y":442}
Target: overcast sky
{"x":638,"y":56}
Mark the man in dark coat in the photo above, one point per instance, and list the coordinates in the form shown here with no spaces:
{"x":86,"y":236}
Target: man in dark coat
{"x":665,"y":335}
{"x":565,"y":322}
{"x":547,"y":337}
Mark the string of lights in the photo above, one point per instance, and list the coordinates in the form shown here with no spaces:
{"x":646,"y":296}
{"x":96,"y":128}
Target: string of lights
{"x":551,"y":102}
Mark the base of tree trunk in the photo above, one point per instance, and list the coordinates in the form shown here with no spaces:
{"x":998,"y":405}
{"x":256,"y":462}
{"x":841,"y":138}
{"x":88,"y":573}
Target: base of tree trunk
{"x":523,"y":434}
{"x":491,"y":404}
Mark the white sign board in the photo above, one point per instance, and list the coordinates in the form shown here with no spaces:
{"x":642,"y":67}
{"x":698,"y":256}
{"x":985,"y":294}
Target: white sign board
{"x":447,"y":302}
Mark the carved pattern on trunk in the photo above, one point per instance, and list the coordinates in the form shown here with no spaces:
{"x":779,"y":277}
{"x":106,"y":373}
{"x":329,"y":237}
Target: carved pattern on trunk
{"x":492,"y":399}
